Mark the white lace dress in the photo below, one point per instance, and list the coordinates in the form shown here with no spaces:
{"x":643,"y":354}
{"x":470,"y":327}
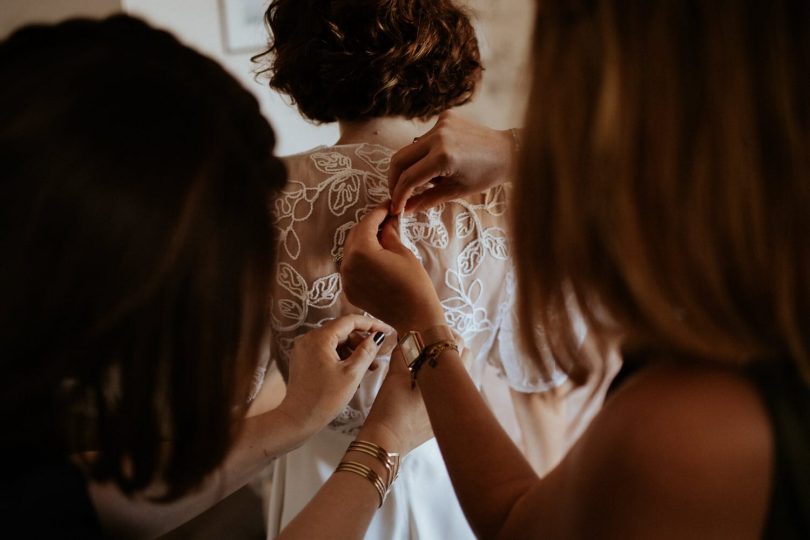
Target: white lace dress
{"x":464,"y":248}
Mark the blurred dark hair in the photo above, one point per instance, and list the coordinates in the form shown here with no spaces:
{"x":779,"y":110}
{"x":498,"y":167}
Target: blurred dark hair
{"x":136,"y":248}
{"x":359,"y":59}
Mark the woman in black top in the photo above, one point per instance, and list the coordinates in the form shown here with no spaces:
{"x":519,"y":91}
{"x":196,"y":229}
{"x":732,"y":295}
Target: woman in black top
{"x":137,"y":250}
{"x":663,"y":194}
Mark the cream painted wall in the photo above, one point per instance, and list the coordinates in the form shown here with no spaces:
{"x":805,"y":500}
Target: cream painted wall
{"x":14,"y":13}
{"x":196,"y":22}
{"x":504,"y":28}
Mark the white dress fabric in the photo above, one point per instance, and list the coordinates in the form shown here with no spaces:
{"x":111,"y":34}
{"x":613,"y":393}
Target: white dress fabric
{"x":464,"y":248}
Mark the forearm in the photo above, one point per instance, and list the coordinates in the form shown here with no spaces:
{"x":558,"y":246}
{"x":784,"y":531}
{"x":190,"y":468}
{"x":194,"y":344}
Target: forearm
{"x":489,"y":473}
{"x":346,"y":503}
{"x":263,"y":438}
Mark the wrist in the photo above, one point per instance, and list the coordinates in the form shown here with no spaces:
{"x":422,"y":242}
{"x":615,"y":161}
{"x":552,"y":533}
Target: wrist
{"x":373,"y":463}
{"x":382,"y":436}
{"x":421,"y":322}
{"x":300,"y":418}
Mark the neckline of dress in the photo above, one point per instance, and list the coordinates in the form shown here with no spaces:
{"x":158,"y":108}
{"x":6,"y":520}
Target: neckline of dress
{"x":343,"y":145}
{"x":330,"y":146}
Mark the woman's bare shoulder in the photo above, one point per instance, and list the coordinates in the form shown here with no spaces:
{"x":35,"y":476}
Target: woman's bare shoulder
{"x":686,"y":445}
{"x":676,"y":452}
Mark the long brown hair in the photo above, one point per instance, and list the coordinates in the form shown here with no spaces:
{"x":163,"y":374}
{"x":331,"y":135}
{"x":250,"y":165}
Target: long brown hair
{"x":137,"y":249}
{"x":665,"y":190}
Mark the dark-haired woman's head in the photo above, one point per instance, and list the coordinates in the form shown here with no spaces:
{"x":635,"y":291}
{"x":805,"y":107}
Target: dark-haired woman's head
{"x":136,"y":247}
{"x":359,"y":59}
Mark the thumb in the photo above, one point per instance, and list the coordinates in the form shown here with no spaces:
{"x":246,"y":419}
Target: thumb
{"x":365,"y":353}
{"x":364,"y":232}
{"x":389,"y":239}
{"x":442,"y":192}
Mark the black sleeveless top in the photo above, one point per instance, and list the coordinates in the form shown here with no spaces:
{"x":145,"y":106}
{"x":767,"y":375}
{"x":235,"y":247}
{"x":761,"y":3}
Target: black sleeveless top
{"x":44,"y":496}
{"x":787,"y":400}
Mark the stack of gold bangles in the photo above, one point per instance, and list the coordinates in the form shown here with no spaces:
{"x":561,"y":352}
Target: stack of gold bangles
{"x":389,"y":460}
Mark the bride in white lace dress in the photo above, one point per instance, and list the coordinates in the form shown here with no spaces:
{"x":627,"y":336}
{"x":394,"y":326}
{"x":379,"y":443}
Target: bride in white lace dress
{"x":421,"y":67}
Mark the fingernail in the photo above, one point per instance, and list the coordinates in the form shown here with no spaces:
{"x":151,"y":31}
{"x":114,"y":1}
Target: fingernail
{"x":379,"y":337}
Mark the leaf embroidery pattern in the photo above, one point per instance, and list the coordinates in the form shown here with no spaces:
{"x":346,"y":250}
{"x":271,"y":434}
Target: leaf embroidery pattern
{"x":325,"y":291}
{"x":342,"y":231}
{"x":344,"y":193}
{"x":495,"y":243}
{"x":464,"y":224}
{"x":291,"y":281}
{"x":462,"y":311}
{"x":331,"y":162}
{"x":377,"y":157}
{"x":293,"y":311}
{"x":463,"y":242}
{"x":470,"y":258}
{"x":495,"y":201}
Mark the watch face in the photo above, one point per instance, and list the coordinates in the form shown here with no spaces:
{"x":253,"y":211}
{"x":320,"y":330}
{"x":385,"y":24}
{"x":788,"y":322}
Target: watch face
{"x":410,"y":348}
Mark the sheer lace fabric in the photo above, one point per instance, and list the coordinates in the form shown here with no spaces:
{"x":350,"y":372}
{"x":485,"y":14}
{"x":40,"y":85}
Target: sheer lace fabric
{"x":462,"y":244}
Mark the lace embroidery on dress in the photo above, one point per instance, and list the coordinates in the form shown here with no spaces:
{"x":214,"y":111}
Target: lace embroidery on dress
{"x":462,"y":244}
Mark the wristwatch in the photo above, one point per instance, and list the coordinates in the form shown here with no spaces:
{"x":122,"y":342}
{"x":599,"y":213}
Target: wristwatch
{"x":413,"y":343}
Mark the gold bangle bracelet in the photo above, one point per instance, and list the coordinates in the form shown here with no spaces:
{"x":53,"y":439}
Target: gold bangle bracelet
{"x":389,"y":460}
{"x":366,"y":472}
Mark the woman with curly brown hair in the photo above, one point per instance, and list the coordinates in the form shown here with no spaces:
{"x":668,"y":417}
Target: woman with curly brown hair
{"x":383,"y":70}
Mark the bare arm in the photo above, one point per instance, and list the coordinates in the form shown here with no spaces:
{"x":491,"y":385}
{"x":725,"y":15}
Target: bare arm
{"x":320,"y":385}
{"x":264,"y":437}
{"x":679,"y":452}
{"x":489,"y":479}
{"x":342,"y":508}
{"x":346,"y":503}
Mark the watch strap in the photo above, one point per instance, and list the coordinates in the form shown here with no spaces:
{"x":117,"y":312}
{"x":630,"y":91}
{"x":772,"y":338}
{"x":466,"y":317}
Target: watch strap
{"x":413,"y":343}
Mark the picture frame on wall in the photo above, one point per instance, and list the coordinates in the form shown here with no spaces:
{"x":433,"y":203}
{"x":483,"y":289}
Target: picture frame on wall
{"x":242,"y":24}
